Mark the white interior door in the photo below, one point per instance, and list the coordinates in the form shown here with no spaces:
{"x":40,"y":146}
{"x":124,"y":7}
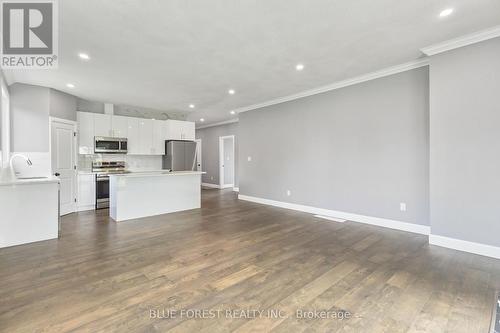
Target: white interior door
{"x":63,"y":160}
{"x":226,"y":161}
{"x":198,"y":155}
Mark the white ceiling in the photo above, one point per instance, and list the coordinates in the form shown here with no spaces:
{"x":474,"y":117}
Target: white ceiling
{"x":168,"y":54}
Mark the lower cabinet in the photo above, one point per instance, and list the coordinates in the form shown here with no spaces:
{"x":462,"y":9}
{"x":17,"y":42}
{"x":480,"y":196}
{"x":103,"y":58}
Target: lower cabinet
{"x":86,"y":192}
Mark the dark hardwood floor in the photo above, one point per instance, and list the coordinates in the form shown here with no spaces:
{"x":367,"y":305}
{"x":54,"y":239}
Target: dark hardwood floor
{"x":236,"y":255}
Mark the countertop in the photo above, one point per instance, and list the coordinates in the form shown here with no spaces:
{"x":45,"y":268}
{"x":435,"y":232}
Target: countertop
{"x":156,"y":174}
{"x":90,"y":172}
{"x":35,"y":181}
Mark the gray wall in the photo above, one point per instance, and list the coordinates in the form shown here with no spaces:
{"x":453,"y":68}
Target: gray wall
{"x":210,"y":150}
{"x":362,"y":149}
{"x":31,"y":107}
{"x":465,"y":143}
{"x":62,"y":105}
{"x":29,"y":118}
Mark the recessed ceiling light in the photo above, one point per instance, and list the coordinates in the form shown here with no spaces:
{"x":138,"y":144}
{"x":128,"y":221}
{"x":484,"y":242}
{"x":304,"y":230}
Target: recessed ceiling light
{"x":446,"y":12}
{"x":299,"y":67}
{"x":70,"y":85}
{"x":233,"y":112}
{"x":231,"y":92}
{"x":202,"y":119}
{"x":191,"y":106}
{"x":84,"y":56}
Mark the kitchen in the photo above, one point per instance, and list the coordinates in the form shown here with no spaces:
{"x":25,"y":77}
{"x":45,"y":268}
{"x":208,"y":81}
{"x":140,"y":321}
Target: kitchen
{"x":84,"y":153}
{"x":161,"y":147}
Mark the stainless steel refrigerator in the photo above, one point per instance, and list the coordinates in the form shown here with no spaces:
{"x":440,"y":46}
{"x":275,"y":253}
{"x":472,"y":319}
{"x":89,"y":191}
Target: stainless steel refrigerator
{"x":180,"y":155}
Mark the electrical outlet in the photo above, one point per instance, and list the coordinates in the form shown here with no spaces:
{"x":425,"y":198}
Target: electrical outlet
{"x":288,"y":193}
{"x":249,"y":158}
{"x":402,"y":206}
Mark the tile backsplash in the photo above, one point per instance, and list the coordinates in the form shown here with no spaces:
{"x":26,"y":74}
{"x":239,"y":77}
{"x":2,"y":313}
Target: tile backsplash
{"x":133,"y":162}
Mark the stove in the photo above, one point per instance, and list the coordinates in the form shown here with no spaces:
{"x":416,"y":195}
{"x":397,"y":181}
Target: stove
{"x":103,"y":170}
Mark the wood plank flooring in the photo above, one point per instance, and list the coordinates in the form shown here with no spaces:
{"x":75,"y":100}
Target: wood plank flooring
{"x":235,"y":255}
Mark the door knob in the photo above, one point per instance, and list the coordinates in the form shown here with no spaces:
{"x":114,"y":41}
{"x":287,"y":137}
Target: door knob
{"x":57,"y":174}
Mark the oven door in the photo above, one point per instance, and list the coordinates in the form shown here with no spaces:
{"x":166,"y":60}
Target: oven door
{"x":102,"y":192}
{"x":107,"y":145}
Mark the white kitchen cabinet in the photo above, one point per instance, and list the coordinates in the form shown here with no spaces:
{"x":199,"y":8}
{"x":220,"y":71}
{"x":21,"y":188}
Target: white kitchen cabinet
{"x":85,"y":132}
{"x":159,"y":132}
{"x":102,"y":125}
{"x":119,"y":126}
{"x":180,"y":130}
{"x":145,"y":136}
{"x":86,"y":192}
{"x":187,"y":130}
{"x":133,"y":144}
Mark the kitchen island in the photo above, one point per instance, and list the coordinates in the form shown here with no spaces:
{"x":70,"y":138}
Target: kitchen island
{"x":136,"y":195}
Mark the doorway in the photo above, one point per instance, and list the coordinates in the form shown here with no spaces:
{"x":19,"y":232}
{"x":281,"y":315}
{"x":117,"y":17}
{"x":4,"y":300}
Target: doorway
{"x":226,"y":161}
{"x":63,"y":161}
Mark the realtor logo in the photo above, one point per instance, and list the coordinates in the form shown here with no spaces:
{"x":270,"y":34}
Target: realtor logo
{"x":29,"y":34}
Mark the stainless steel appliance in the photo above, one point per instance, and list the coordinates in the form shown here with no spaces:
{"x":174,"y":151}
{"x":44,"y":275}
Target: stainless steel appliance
{"x":105,"y":145}
{"x":180,"y":155}
{"x":103,"y":170}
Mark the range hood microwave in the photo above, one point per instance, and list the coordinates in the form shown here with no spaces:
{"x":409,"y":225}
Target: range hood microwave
{"x":106,"y":145}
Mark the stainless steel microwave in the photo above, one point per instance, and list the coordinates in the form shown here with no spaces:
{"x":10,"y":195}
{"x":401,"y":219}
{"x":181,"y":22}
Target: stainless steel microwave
{"x":105,"y":145}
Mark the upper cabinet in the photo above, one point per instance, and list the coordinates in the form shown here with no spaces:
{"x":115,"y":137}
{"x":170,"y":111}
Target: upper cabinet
{"x":119,"y":126}
{"x":102,"y":125}
{"x":159,"y":137}
{"x":85,"y":132}
{"x":180,"y":130}
{"x":145,"y":136}
{"x":133,"y":136}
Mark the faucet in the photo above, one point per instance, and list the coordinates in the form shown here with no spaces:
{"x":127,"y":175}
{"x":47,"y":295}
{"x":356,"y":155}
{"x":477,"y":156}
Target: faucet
{"x":28,"y":161}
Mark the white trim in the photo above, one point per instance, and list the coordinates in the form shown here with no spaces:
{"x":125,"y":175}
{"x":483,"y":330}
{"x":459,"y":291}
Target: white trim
{"x":199,"y":154}
{"x":465,"y":246}
{"x":381,"y":222}
{"x":219,"y":123}
{"x":236,"y":189}
{"x":341,"y":84}
{"x":330,"y":218}
{"x":210,"y":185}
{"x":85,"y":208}
{"x":462,"y":41}
{"x":221,"y":160}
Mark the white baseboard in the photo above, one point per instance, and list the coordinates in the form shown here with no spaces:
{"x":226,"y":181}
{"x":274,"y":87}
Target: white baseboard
{"x":381,"y":222}
{"x":465,"y":246}
{"x":85,"y":208}
{"x":226,"y":186}
{"x":210,"y":185}
{"x":236,"y":189}
{"x":330,"y":218}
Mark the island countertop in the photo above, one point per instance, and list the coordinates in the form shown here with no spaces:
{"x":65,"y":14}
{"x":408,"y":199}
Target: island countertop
{"x":156,"y":174}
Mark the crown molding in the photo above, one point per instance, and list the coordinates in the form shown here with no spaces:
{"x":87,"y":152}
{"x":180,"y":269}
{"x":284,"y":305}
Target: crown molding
{"x":219,"y":123}
{"x":462,"y":41}
{"x":341,"y":84}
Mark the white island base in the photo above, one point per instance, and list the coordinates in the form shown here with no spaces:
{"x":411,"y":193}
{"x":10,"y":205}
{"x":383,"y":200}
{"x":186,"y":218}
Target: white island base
{"x":139,"y":195}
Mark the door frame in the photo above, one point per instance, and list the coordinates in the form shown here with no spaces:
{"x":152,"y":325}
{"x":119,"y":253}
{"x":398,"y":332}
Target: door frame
{"x":75,"y":154}
{"x":221,"y":161}
{"x":198,"y":156}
